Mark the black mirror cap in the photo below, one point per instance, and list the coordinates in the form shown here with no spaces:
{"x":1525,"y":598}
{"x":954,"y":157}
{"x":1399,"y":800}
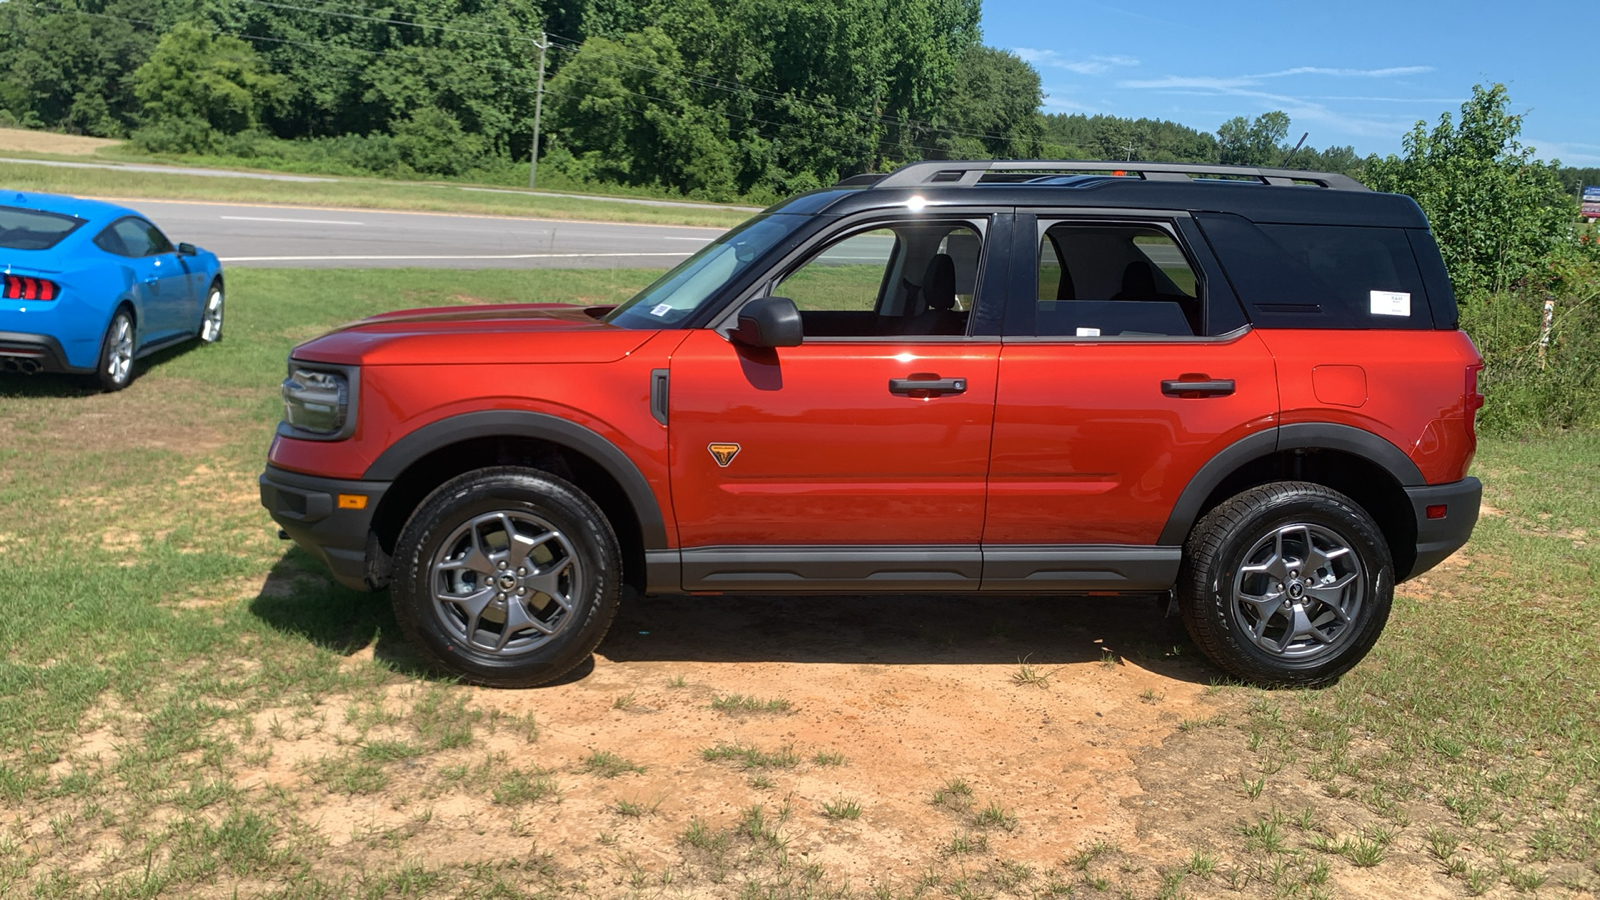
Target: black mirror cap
{"x":769,"y":322}
{"x":187,"y":249}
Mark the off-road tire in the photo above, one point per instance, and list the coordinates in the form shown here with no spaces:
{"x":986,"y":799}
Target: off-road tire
{"x":476,"y":512}
{"x":1221,"y":594}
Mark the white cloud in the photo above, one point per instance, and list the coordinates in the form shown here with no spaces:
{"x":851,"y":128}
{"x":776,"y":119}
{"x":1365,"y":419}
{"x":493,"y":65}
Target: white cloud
{"x":1093,"y":65}
{"x":1571,"y":153}
{"x":1351,"y":73}
{"x":1304,"y":109}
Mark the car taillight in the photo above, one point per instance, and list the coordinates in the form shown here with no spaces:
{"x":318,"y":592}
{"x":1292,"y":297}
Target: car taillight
{"x":25,"y":287}
{"x":1474,"y":399}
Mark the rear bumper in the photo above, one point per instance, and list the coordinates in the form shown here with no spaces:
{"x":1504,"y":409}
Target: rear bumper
{"x":1438,"y":538}
{"x":27,"y":353}
{"x":308,"y":509}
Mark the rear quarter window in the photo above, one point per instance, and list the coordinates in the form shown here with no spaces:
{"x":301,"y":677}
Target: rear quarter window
{"x":1321,"y":276}
{"x":33,"y":229}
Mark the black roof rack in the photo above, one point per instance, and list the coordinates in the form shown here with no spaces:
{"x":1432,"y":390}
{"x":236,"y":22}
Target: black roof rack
{"x":967,"y":172}
{"x":864,"y":178}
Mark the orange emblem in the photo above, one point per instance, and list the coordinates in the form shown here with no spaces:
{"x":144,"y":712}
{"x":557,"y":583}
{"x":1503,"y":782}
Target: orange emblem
{"x":723,"y":453}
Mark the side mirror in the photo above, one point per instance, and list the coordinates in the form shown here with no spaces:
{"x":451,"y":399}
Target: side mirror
{"x":187,"y":250}
{"x":769,"y":322}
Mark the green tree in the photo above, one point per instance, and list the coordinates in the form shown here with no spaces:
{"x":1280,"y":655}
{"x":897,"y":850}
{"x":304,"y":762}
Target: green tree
{"x":1496,"y":211}
{"x":626,"y":111}
{"x":1243,"y":142}
{"x":993,"y":109}
{"x":196,"y":86}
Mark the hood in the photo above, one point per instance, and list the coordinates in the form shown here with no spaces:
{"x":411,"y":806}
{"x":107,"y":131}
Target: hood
{"x":476,"y":335}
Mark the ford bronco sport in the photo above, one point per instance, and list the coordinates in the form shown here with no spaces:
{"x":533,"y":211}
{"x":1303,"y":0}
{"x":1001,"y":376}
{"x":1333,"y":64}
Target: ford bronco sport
{"x":1244,"y":389}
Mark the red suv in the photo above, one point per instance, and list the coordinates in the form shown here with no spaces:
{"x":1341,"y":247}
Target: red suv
{"x":1241,"y":388}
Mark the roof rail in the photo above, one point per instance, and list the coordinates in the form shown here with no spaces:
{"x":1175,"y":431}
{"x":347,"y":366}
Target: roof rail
{"x":968,"y":172}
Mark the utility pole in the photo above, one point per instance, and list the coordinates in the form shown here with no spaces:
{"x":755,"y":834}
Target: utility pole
{"x":538,"y":107}
{"x":1130,"y":148}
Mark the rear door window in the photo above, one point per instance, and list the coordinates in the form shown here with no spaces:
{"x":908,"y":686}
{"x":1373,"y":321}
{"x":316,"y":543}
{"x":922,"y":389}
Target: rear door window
{"x":33,"y":229}
{"x":1106,"y":280}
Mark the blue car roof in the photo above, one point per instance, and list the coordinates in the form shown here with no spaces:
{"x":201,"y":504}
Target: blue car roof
{"x":88,"y":210}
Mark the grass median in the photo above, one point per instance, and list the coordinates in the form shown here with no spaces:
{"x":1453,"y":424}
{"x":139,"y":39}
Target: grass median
{"x":188,"y":707}
{"x":363,"y":193}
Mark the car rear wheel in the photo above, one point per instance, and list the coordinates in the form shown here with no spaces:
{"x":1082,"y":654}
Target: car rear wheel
{"x":211,"y":318}
{"x":116,"y":353}
{"x":508,"y":577}
{"x":1286,"y":584}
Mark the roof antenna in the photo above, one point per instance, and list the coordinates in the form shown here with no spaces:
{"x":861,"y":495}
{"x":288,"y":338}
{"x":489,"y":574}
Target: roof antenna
{"x":1296,"y":149}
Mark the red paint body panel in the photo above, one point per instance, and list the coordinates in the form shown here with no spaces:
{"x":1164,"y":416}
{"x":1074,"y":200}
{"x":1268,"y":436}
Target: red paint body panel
{"x":595,"y":376}
{"x":1415,"y":385}
{"x":1087,"y":448}
{"x":827,"y":454}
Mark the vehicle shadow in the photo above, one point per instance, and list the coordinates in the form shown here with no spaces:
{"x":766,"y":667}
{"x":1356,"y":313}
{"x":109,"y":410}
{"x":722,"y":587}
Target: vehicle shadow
{"x":51,"y":384}
{"x":298,"y":598}
{"x":902,"y":629}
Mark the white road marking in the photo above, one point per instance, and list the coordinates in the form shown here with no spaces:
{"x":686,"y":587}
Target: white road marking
{"x":412,"y":256}
{"x":296,"y":221}
{"x":699,"y":240}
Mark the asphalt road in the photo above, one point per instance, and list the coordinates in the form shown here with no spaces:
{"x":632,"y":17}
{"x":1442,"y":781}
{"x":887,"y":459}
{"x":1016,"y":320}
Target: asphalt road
{"x":286,"y":236}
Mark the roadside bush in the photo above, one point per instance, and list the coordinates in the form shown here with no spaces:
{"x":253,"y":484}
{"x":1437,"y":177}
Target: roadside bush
{"x":1561,"y":388}
{"x":431,"y":141}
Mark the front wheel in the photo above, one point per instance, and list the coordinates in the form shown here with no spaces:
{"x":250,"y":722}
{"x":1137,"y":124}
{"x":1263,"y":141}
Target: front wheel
{"x":507,"y":576}
{"x":1286,"y":584}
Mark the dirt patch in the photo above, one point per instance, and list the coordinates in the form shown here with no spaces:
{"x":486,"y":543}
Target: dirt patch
{"x":49,"y":142}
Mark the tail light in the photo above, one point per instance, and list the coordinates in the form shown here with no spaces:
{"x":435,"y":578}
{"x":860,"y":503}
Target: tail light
{"x":25,"y":287}
{"x":1474,"y":399}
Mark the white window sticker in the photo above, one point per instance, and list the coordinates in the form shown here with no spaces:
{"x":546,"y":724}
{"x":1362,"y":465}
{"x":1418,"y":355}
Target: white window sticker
{"x":1088,"y":332}
{"x":661,"y":309}
{"x":1391,"y":303}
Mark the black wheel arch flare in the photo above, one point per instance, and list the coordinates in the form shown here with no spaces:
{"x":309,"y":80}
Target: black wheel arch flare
{"x":399,"y":456}
{"x":1300,"y":435}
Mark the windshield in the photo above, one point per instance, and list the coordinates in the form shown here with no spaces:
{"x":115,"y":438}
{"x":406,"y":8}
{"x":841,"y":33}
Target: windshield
{"x":676,"y":295}
{"x":32,"y":229}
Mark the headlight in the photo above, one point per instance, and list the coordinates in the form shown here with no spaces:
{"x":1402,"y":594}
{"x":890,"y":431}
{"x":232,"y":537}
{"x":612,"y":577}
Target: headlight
{"x":317,"y":401}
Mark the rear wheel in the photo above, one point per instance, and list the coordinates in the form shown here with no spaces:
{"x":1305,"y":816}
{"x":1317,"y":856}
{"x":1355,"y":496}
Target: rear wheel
{"x":1286,"y":584}
{"x":115,"y":370}
{"x":508,"y":577}
{"x":211,"y":318}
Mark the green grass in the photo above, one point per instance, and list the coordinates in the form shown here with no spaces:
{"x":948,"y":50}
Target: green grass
{"x":147,"y":604}
{"x":608,"y":765}
{"x":739,"y":703}
{"x":364,"y":193}
{"x":157,"y":640}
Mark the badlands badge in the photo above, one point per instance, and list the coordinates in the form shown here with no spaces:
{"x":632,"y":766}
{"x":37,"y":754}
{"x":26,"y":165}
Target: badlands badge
{"x":723,"y":453}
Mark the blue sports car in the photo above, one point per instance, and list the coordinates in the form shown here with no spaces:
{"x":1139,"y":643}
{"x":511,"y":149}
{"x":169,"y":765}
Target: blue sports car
{"x":90,"y":287}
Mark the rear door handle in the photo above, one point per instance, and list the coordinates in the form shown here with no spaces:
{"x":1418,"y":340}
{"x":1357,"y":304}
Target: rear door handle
{"x":1221,"y":387}
{"x":927,"y":387}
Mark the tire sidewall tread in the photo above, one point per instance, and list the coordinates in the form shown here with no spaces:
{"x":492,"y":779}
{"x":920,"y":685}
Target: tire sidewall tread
{"x":1216,"y":546}
{"x":485,"y":490}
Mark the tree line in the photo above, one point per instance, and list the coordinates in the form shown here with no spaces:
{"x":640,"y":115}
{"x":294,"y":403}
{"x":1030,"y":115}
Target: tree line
{"x":712,"y":98}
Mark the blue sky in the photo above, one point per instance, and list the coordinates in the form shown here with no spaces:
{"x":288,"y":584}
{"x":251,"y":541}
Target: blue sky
{"x":1355,"y":72}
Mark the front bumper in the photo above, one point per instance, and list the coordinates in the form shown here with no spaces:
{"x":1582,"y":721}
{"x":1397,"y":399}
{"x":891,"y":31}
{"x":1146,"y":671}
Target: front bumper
{"x":27,"y":353}
{"x":310,"y":510}
{"x":1438,"y":538}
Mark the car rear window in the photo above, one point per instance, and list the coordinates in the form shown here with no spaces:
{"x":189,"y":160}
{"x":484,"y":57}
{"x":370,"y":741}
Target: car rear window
{"x":32,"y":229}
{"x":1321,"y":276}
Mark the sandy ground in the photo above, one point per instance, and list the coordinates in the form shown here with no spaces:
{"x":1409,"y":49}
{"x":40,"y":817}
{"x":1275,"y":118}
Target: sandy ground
{"x":13,"y":139}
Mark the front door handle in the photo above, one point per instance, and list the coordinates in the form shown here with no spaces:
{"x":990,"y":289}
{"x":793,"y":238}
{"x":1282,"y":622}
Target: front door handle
{"x":927,"y":387}
{"x":1179,"y":387}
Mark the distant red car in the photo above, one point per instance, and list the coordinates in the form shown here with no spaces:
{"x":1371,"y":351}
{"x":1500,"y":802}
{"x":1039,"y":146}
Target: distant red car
{"x":1243,"y":388}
